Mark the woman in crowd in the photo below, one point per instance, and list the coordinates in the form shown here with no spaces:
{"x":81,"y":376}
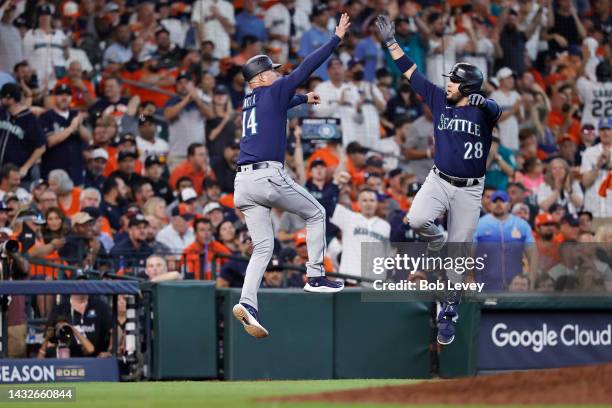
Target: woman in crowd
{"x":67,"y":194}
{"x":559,"y":187}
{"x":51,"y":239}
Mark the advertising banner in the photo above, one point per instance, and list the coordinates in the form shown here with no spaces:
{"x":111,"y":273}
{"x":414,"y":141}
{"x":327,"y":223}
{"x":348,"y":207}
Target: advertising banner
{"x":525,"y":340}
{"x":21,"y":371}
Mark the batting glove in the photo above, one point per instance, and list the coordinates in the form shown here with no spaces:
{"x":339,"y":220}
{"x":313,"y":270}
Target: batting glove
{"x":386,"y":28}
{"x":476,"y":100}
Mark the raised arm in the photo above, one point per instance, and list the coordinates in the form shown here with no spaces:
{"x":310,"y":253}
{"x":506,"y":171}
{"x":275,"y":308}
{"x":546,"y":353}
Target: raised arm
{"x":426,"y":89}
{"x":313,"y":61}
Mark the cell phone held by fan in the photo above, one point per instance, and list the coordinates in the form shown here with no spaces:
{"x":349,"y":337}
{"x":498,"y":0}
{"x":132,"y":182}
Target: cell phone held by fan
{"x":321,"y":129}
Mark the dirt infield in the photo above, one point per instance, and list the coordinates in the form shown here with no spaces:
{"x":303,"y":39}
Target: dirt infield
{"x":568,"y":386}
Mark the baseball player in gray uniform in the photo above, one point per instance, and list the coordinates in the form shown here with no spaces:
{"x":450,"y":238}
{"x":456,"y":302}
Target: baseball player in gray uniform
{"x":262,"y":183}
{"x":463,"y":125}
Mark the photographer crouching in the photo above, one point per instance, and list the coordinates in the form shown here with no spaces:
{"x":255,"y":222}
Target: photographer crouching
{"x":80,"y":327}
{"x":63,"y":340}
{"x":13,"y":266}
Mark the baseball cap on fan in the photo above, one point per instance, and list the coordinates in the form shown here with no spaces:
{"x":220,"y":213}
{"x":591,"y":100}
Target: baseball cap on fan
{"x":504,"y":73}
{"x":605,"y":123}
{"x":188,"y":194}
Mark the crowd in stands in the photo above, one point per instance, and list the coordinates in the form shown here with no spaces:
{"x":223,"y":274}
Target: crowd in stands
{"x":120,"y":124}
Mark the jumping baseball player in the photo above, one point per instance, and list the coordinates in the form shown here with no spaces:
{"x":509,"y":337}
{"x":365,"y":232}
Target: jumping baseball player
{"x":262,"y":183}
{"x":463,"y":121}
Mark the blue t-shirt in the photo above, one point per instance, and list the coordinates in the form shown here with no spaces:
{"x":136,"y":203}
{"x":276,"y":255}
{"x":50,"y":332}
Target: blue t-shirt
{"x":369,"y":52}
{"x":462,"y":133}
{"x":312,"y":40}
{"x":264,"y":111}
{"x":250,"y":24}
{"x":503,"y":242}
{"x":20,"y":135}
{"x":72,"y":147}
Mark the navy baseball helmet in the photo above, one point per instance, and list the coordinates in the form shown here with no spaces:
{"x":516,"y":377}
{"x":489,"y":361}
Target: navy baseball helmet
{"x":468,"y":76}
{"x":256,"y":65}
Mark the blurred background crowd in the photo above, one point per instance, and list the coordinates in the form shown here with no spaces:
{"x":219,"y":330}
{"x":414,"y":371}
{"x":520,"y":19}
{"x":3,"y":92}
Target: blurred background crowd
{"x":120,"y":124}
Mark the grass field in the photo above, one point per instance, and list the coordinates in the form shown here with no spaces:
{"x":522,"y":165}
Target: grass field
{"x":205,"y":394}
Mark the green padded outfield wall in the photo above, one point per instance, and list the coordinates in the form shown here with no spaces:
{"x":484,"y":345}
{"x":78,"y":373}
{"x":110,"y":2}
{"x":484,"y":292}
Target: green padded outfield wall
{"x":380,"y":339}
{"x":300,"y":341}
{"x":184,"y":330}
{"x":459,"y":358}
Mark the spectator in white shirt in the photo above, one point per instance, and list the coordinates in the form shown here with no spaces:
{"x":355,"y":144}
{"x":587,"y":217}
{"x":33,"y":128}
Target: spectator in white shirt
{"x":214,"y":21}
{"x":370,"y":104}
{"x":279,"y":20}
{"x":510,"y":102}
{"x":146,"y":141}
{"x":338,"y":100}
{"x":596,"y":164}
{"x":177,"y":235}
{"x":45,"y":48}
{"x":358,"y":228}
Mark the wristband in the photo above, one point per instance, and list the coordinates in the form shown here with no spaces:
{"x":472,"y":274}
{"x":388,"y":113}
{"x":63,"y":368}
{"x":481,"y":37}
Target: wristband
{"x":389,"y":43}
{"x":404,"y":63}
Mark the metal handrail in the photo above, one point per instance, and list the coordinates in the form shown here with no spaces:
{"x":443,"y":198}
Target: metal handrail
{"x":284,"y":268}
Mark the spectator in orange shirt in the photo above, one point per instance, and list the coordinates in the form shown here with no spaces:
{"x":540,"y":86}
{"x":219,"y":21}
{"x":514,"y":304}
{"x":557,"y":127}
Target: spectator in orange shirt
{"x":152,"y":75}
{"x":67,"y":194}
{"x":83,"y":92}
{"x":561,"y":117}
{"x":196,"y":168}
{"x":356,"y":162}
{"x":548,"y":250}
{"x":125,"y":142}
{"x":203,"y":249}
{"x":569,"y":229}
{"x":398,"y":190}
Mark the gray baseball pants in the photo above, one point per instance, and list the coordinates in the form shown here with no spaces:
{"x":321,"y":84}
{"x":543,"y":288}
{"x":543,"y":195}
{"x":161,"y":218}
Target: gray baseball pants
{"x":256,"y":192}
{"x":462,"y":207}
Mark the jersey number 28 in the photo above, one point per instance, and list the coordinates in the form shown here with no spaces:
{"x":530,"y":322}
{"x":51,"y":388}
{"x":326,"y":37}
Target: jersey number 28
{"x":249,"y":123}
{"x":472,"y":150}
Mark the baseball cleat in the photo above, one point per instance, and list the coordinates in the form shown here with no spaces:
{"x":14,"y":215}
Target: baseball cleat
{"x":323,"y":285}
{"x":248,"y":316}
{"x":446,"y":323}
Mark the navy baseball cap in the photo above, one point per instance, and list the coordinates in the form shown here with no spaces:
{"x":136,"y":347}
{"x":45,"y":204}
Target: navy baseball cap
{"x":126,"y":137}
{"x":605,"y":123}
{"x":154,"y":159}
{"x":220,"y":90}
{"x":142,"y":119}
{"x":62,"y":89}
{"x":184,"y":75}
{"x":137,"y":219}
{"x":395,"y":172}
{"x":499,"y":195}
{"x":317,"y":162}
{"x":571,"y":219}
{"x":4,"y":207}
{"x":125,"y":154}
{"x":10,"y":90}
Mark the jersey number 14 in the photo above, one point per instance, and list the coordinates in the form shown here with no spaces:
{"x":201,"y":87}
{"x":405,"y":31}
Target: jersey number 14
{"x":249,"y":123}
{"x":472,"y":150}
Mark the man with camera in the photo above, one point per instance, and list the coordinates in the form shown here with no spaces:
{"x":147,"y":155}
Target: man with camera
{"x":13,"y":267}
{"x":77,"y":328}
{"x":64,"y":341}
